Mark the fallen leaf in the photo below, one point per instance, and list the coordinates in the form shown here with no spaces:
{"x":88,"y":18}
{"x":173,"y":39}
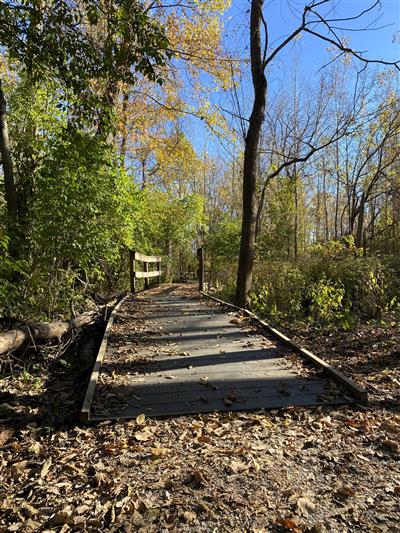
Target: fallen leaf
{"x":36,"y":448}
{"x":142,"y":435}
{"x":17,"y":469}
{"x":99,"y":478}
{"x":305,"y":505}
{"x":28,"y":509}
{"x":238,"y":466}
{"x":288,"y":524}
{"x":189,"y":517}
{"x":195,"y":480}
{"x":62,"y":517}
{"x":259,"y":446}
{"x":6,"y":435}
{"x":159,"y":452}
{"x":345,"y":492}
{"x":140,"y":419}
{"x":46,"y":467}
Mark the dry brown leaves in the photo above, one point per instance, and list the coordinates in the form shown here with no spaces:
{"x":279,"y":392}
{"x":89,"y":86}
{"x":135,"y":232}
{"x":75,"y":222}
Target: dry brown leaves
{"x":295,"y":470}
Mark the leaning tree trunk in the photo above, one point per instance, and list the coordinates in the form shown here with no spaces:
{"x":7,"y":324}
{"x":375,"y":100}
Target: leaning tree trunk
{"x":249,"y":217}
{"x":14,"y":339}
{"x":10,"y":189}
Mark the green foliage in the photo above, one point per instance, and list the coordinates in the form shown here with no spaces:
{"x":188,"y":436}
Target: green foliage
{"x":279,"y":290}
{"x":222,"y":245}
{"x":336,"y":284}
{"x":168,"y":225}
{"x":326,"y":301}
{"x":223,"y":240}
{"x":77,"y":42}
{"x":277,"y":237}
{"x":366,"y":280}
{"x":82,"y":221}
{"x":10,"y":271}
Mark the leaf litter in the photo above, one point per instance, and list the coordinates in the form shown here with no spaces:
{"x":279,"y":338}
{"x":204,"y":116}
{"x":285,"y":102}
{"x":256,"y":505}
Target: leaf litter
{"x":323,"y":469}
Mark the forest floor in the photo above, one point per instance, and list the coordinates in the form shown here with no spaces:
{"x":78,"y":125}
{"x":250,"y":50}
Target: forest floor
{"x":324,"y":469}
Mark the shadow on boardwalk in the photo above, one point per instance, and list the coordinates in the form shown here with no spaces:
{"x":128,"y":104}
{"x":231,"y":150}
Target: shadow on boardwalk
{"x":172,"y":353}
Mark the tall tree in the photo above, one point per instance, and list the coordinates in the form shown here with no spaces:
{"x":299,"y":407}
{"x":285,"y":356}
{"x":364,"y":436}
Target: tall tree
{"x":249,"y":219}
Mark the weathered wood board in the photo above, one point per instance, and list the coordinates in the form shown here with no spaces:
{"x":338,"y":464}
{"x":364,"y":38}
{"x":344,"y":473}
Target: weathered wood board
{"x":170,"y":352}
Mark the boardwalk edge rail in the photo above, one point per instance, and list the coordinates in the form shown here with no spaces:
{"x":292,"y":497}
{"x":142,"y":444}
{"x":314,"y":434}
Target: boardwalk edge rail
{"x":87,"y":402}
{"x":357,"y":391}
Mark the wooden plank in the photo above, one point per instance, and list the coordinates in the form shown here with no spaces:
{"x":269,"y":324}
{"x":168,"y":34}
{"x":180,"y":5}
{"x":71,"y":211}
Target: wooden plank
{"x":199,"y":406}
{"x":153,"y":393}
{"x":148,"y":258}
{"x":146,"y":279}
{"x":87,"y":402}
{"x":223,"y":369}
{"x":159,"y":270}
{"x":349,"y":384}
{"x":151,"y":274}
{"x":222,"y":379}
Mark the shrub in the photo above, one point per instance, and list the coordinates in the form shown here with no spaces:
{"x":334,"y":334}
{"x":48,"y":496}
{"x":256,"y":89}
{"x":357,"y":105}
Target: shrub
{"x":279,"y":291}
{"x":335,"y":284}
{"x":326,"y":301}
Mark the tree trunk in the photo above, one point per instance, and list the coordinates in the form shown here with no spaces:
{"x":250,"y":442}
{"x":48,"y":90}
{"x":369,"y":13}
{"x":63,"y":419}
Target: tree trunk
{"x":296,"y":215}
{"x":124,"y":135}
{"x":144,"y":176}
{"x":11,"y":196}
{"x":168,"y":266}
{"x":326,"y":211}
{"x":249,"y":216}
{"x":360,"y":224}
{"x":13,"y":339}
{"x":337,"y":192}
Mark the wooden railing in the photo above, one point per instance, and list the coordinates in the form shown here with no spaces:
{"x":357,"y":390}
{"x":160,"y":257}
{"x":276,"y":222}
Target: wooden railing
{"x":146,"y":273}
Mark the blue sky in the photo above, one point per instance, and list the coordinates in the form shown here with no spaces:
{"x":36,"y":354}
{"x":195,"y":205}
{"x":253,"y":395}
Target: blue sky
{"x":282,"y":17}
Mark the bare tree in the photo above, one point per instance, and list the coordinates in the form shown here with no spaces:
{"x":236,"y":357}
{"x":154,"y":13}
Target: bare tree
{"x":314,"y":23}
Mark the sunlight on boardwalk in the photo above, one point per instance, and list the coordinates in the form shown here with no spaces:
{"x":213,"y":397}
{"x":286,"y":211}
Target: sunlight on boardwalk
{"x":170,"y":352}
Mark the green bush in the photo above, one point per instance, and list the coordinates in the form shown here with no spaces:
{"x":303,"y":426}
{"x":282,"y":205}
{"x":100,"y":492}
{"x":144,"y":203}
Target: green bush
{"x":11,"y":271}
{"x":326,"y":301}
{"x":279,"y":291}
{"x":368,"y":282}
{"x":335,"y":284}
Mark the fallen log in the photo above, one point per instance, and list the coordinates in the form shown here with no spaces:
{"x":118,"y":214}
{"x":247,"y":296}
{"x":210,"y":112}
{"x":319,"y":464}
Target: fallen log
{"x":44,"y":331}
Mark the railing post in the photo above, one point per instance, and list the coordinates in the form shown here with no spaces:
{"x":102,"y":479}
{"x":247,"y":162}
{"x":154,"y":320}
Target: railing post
{"x":159,"y":269}
{"x":200,"y":257}
{"x":132,"y":269}
{"x":146,"y":280}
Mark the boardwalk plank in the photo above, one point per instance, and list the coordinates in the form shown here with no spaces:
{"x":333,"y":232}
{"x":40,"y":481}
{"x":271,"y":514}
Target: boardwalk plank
{"x":170,"y":353}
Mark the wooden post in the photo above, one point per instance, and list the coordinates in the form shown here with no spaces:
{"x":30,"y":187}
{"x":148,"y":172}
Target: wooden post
{"x":146,"y":280}
{"x":132,"y":269}
{"x":200,"y":257}
{"x":159,"y":269}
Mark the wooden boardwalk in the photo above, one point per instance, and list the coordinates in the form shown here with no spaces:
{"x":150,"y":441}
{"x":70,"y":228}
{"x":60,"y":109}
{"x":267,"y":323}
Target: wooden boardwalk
{"x":172,"y":352}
